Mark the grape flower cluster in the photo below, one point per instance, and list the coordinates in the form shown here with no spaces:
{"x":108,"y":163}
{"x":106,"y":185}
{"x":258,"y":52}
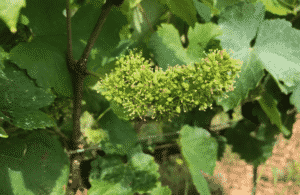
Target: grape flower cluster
{"x":141,"y":90}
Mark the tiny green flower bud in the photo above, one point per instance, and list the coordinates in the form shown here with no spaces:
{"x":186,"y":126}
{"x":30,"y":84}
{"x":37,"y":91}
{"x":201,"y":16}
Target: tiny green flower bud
{"x":134,"y":85}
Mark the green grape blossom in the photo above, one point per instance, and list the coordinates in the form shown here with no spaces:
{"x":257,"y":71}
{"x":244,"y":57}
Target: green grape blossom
{"x":140,"y":90}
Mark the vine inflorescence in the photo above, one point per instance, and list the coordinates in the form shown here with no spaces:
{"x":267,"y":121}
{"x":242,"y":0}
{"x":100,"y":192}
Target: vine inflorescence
{"x":165,"y":94}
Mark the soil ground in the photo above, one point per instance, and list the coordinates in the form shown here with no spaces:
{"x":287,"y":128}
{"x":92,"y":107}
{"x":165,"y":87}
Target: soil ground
{"x":279,"y":175}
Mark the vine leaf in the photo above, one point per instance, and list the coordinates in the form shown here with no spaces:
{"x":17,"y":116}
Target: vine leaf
{"x":280,"y":7}
{"x":137,"y":19}
{"x":186,"y":11}
{"x":21,"y":99}
{"x":167,"y":47}
{"x":139,"y":174}
{"x":269,"y":105}
{"x":44,"y":22}
{"x":238,"y":31}
{"x":90,"y":129}
{"x":200,"y":151}
{"x":273,"y":59}
{"x":35,"y":164}
{"x":44,"y":60}
{"x":13,"y":8}
{"x":256,"y":150}
{"x":203,"y":10}
{"x":32,"y":120}
{"x":121,"y":134}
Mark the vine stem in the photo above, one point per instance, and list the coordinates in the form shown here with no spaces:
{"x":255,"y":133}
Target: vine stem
{"x":78,"y":71}
{"x":149,"y":138}
{"x":102,"y":114}
{"x":255,"y":169}
{"x":145,"y":16}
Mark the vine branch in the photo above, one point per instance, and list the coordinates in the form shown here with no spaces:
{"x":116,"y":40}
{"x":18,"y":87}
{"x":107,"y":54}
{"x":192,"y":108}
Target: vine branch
{"x":145,"y":16}
{"x":97,"y":29}
{"x":78,"y":71}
